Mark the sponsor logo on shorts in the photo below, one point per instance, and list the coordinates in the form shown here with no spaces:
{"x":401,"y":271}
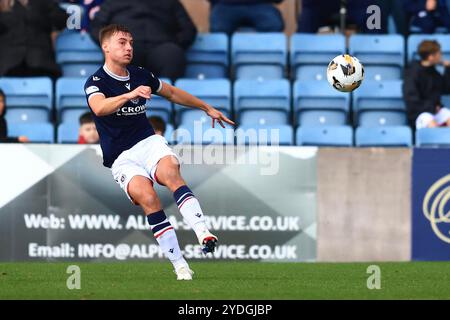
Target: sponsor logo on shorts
{"x":122,"y":178}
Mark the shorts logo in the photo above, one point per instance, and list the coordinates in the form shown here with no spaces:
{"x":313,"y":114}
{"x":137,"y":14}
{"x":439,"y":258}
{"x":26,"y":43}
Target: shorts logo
{"x":122,"y":178}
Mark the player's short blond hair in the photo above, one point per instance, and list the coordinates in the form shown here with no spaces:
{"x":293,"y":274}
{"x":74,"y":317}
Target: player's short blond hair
{"x":110,"y":30}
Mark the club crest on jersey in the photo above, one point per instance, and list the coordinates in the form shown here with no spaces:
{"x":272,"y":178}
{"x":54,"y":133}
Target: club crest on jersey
{"x":135,"y":101}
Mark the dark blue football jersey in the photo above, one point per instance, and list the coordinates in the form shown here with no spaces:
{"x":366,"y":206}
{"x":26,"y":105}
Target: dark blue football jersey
{"x":123,"y":129}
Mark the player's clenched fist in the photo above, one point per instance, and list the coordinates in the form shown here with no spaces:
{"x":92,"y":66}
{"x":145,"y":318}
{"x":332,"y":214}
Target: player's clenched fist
{"x":140,"y":92}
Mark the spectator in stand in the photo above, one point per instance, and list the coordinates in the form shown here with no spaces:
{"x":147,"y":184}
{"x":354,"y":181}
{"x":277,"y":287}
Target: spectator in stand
{"x":428,"y":15}
{"x":423,"y":87}
{"x":25,"y":34}
{"x":323,"y":16}
{"x":90,"y":9}
{"x":158,"y":124}
{"x":87,"y":133}
{"x":229,"y":15}
{"x":162,"y":31}
{"x":3,"y":125}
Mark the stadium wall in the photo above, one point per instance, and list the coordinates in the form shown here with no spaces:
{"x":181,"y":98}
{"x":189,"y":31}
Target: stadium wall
{"x":364,"y":205}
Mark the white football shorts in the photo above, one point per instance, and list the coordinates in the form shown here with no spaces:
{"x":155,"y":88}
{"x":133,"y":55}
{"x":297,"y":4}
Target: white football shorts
{"x":424,"y":119}
{"x":141,"y":160}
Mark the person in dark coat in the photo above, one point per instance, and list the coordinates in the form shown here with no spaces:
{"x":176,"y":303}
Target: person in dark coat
{"x":324,"y":14}
{"x":229,"y":15}
{"x":428,"y":15}
{"x":162,"y":32}
{"x":4,"y":126}
{"x":424,"y":86}
{"x":25,"y":35}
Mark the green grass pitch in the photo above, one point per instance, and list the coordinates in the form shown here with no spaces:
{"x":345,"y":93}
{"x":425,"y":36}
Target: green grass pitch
{"x":226,"y":280}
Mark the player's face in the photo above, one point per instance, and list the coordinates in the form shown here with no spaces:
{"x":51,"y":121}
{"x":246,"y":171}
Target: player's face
{"x":119,"y":48}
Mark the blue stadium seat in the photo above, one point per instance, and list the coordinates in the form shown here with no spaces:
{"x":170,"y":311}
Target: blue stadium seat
{"x":159,"y":106}
{"x":27,"y":115}
{"x":28,"y":99}
{"x":310,"y":54}
{"x":337,"y":136}
{"x":169,"y":133}
{"x":397,"y":136}
{"x":70,"y":99}
{"x":379,"y":103}
{"x":312,"y":73}
{"x":382,"y":118}
{"x":78,"y":54}
{"x":28,"y":92}
{"x":416,"y":39}
{"x":216,"y":92}
{"x":319,"y":96}
{"x":262,"y":102}
{"x":36,"y":132}
{"x":433,"y":137}
{"x":68,"y":132}
{"x":208,"y":56}
{"x":203,"y":134}
{"x":259,"y":55}
{"x":265,"y":135}
{"x":382,"y":55}
{"x":446,"y":101}
{"x":322,"y":118}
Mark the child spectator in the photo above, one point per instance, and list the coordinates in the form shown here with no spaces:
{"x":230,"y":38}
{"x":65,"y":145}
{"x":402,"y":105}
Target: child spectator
{"x":158,"y":124}
{"x":87,"y":133}
{"x":423,"y":87}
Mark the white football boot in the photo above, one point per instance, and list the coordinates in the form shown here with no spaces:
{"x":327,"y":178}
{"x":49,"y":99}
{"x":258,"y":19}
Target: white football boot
{"x":184,"y":273}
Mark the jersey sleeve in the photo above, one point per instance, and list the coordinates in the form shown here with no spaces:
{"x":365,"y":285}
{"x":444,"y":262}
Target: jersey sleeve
{"x":153,"y":81}
{"x":94,"y":86}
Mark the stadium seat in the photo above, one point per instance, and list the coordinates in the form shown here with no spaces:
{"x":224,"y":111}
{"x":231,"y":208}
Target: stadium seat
{"x":259,"y":55}
{"x":202,"y":134}
{"x":68,"y":132}
{"x":319,"y":96}
{"x":433,"y":137}
{"x":262,"y":102}
{"x":169,"y":133}
{"x":322,"y":118}
{"x":379,"y":104}
{"x":415,"y":39}
{"x":310,"y":54}
{"x":159,"y":106}
{"x":216,"y":92}
{"x":265,"y":135}
{"x":36,"y":132}
{"x":336,"y":136}
{"x":208,"y":57}
{"x":382,"y":55}
{"x":28,"y":99}
{"x":27,"y":115}
{"x":78,"y":54}
{"x":398,"y":136}
{"x":446,"y":101}
{"x":70,"y":99}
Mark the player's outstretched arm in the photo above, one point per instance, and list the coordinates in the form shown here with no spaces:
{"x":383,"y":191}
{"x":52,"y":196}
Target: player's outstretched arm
{"x":181,"y":97}
{"x":102,"y":106}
